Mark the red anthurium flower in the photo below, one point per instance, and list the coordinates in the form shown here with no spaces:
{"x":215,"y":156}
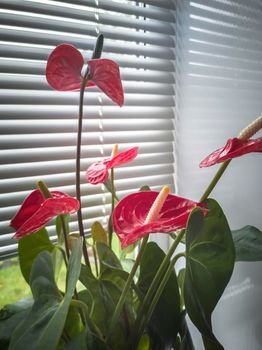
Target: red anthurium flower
{"x":36,"y":211}
{"x":131,"y":212}
{"x":63,"y":73}
{"x":234,"y":148}
{"x":97,"y":173}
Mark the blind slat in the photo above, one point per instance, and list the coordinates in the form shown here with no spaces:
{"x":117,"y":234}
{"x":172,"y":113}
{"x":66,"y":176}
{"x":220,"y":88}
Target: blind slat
{"x":38,"y":125}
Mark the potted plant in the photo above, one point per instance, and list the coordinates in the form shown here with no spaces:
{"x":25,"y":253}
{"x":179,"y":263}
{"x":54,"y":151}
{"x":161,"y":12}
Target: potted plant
{"x":126,"y":300}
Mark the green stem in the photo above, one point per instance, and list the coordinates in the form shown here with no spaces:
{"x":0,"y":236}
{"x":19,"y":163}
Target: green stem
{"x":78,"y":169}
{"x":110,"y":231}
{"x":215,"y":180}
{"x":128,"y":283}
{"x":83,"y":307}
{"x":63,"y":253}
{"x":95,"y":258}
{"x":157,"y":295}
{"x":107,"y":185}
{"x":96,"y":54}
{"x":65,"y":236}
{"x":155,"y":283}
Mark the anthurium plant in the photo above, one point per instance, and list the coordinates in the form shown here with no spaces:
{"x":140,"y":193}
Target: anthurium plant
{"x":129,"y":298}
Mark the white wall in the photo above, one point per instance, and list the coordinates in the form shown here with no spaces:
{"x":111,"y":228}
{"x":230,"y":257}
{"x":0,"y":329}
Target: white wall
{"x":219,"y":71}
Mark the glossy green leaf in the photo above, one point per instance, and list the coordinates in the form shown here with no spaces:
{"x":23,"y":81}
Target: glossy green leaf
{"x":10,"y":316}
{"x":86,"y":340}
{"x":110,"y":266}
{"x":248,"y":244}
{"x":113,"y":278}
{"x":210,"y":257}
{"x":107,"y":257}
{"x":163,"y":324}
{"x":186,"y":340}
{"x":73,"y":324}
{"x":105,"y":293}
{"x":94,"y":298}
{"x":29,"y":247}
{"x":44,"y":324}
{"x":98,"y":233}
{"x":79,"y":342}
{"x":144,"y":343}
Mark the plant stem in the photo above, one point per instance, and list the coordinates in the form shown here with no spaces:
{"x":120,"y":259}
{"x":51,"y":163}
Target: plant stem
{"x":110,"y":231}
{"x":95,"y":258}
{"x":129,"y":281}
{"x":157,"y":295}
{"x":65,"y":236}
{"x":215,"y":180}
{"x":82,"y":306}
{"x":156,"y":280}
{"x":59,"y":247}
{"x":78,"y":169}
{"x":96,"y":54}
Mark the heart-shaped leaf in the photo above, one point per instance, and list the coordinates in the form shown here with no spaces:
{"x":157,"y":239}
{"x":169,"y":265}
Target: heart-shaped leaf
{"x":29,"y":247}
{"x":10,"y":316}
{"x":101,"y":297}
{"x":210,"y":257}
{"x":248,"y":244}
{"x":98,"y":233}
{"x":44,"y":324}
{"x":165,"y":320}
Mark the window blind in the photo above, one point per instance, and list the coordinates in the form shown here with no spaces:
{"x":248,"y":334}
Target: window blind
{"x":219,"y":71}
{"x":38,"y":125}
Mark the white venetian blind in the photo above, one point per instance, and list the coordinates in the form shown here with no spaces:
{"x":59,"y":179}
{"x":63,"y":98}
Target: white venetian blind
{"x":38,"y":125}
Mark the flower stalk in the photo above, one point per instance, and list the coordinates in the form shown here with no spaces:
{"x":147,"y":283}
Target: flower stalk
{"x":96,"y":54}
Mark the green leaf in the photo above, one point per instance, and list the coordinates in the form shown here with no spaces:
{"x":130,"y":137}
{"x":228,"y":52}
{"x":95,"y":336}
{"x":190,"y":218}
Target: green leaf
{"x":101,"y":295}
{"x":210,"y":257}
{"x":10,"y":316}
{"x":85,"y":341}
{"x":94,"y":297}
{"x":144,"y":343}
{"x":248,"y":244}
{"x":107,"y":257}
{"x":110,"y":266}
{"x":12,"y":309}
{"x":98,"y":233}
{"x":186,"y":340}
{"x":73,"y":325}
{"x":44,"y":324}
{"x":128,"y":250}
{"x":164,"y":324}
{"x":29,"y":247}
